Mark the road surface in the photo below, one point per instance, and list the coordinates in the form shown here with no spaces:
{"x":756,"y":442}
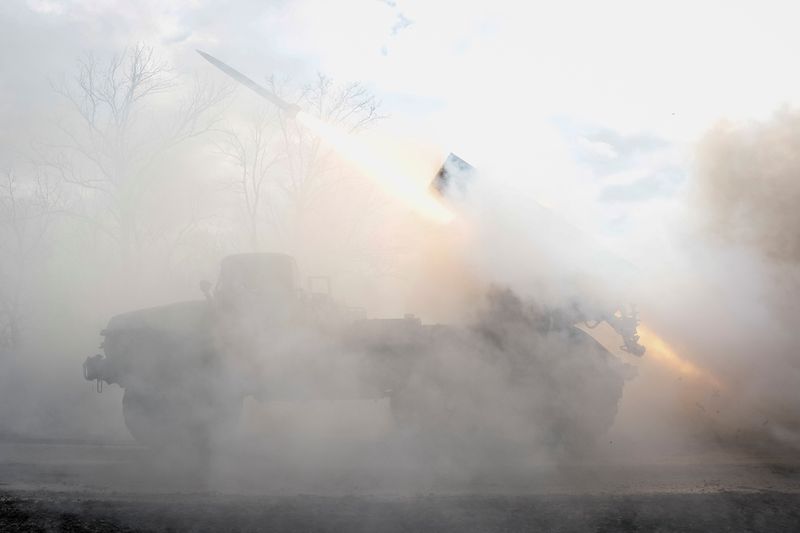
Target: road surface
{"x":84,"y":486}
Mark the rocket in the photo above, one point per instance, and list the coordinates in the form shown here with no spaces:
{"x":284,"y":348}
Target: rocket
{"x":291,"y":110}
{"x":452,"y":180}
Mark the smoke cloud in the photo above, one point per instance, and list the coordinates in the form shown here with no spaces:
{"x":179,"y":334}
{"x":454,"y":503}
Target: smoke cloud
{"x":398,"y":347}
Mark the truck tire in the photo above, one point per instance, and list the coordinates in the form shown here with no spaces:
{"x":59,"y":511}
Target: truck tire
{"x":563,"y":388}
{"x":177,"y":421}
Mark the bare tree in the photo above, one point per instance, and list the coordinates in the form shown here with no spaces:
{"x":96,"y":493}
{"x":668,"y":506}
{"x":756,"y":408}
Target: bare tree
{"x":351,"y":107}
{"x":278,"y":161}
{"x":27,"y":209}
{"x":254,"y":153}
{"x":131,"y":110}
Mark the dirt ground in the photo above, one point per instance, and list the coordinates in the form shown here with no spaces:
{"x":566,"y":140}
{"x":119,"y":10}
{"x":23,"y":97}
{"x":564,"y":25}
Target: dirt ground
{"x":721,"y":511}
{"x":84,"y":486}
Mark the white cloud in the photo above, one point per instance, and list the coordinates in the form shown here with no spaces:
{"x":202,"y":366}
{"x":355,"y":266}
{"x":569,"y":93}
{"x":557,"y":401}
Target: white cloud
{"x":46,"y":6}
{"x":599,"y":148}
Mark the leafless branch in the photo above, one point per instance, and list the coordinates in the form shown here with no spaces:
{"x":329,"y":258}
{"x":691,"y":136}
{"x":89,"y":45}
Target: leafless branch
{"x":126,"y":127}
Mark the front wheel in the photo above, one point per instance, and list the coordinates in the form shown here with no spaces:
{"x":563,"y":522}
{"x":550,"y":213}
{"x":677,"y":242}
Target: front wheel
{"x":177,"y":420}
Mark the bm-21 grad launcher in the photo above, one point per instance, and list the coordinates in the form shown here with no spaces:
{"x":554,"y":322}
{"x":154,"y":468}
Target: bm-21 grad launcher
{"x":186,"y":367}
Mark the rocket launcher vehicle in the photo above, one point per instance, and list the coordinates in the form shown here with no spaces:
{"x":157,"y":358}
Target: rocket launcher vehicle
{"x":451,"y":185}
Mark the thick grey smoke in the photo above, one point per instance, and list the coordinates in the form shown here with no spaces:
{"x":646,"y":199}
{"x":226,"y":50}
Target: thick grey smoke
{"x":746,"y":193}
{"x":147,"y":178}
{"x":748,"y":185}
{"x":112,"y":203}
{"x":721,"y":291}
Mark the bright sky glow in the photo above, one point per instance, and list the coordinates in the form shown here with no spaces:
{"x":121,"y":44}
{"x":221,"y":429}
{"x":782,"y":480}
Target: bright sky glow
{"x":592,"y":106}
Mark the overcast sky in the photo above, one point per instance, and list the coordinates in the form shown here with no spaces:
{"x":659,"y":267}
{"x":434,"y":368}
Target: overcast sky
{"x":604,"y":98}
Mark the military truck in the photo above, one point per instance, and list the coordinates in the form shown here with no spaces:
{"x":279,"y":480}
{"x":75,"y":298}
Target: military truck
{"x":186,"y":367}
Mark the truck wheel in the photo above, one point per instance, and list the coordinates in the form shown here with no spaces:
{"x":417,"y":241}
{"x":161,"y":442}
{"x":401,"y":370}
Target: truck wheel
{"x":562,"y":391}
{"x":584,"y":395}
{"x":170,"y":420}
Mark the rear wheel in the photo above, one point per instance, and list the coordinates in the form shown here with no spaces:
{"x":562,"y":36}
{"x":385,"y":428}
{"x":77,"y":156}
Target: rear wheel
{"x":582,"y":394}
{"x":556,"y":390}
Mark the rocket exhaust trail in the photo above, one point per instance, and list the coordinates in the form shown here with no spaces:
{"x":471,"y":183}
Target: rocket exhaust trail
{"x":392,"y":180}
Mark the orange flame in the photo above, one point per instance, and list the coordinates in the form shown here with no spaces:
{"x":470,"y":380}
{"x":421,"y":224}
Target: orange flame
{"x":659,"y":350}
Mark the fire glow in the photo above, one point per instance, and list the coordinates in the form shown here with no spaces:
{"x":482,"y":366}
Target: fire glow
{"x":660,"y":351}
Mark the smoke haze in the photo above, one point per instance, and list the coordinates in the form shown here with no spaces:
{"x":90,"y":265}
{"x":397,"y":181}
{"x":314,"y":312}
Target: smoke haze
{"x":129,"y":171}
